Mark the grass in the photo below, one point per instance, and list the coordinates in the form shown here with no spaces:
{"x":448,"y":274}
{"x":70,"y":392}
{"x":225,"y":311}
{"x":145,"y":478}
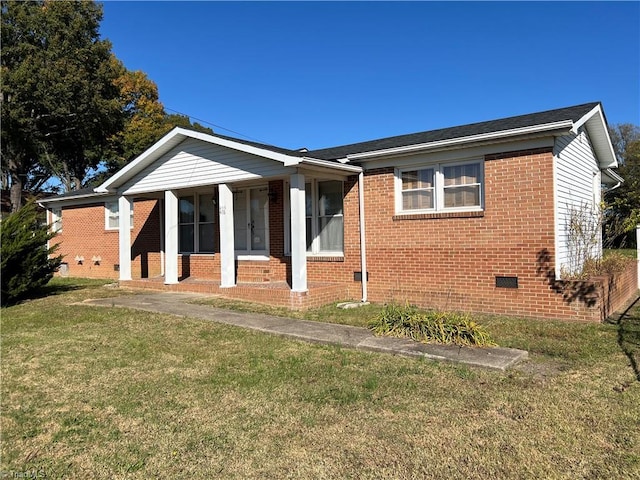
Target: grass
{"x":113,"y":393}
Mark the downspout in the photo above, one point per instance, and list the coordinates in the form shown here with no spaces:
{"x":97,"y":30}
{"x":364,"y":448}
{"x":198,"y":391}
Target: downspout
{"x":363,"y":249}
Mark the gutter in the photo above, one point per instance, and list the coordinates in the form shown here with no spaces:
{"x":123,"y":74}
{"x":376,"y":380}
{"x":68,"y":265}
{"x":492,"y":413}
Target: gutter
{"x":564,"y":125}
{"x":615,"y":177}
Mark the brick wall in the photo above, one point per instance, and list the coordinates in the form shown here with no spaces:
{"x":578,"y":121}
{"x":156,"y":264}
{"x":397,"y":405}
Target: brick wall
{"x":451,"y":261}
{"x":83,"y":235}
{"x":446,"y":261}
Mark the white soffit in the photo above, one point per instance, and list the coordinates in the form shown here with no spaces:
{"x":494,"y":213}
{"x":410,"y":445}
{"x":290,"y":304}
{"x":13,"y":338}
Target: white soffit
{"x":596,"y":125}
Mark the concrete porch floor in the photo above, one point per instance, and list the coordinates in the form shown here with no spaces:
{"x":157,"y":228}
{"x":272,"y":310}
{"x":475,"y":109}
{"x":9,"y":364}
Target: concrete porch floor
{"x":277,"y":294}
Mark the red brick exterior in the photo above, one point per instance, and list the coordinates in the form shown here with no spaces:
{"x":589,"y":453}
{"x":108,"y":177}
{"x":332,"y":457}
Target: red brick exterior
{"x":445,"y":260}
{"x":84,"y":235}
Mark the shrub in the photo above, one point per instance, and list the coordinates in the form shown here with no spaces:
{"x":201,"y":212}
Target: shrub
{"x":612,"y":263}
{"x":26,"y":262}
{"x":429,"y":326}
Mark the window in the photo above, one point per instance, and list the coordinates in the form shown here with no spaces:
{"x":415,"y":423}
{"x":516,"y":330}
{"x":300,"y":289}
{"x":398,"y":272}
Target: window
{"x":462,"y":186}
{"x":417,"y":189}
{"x":196,"y":223}
{"x":324,"y":218}
{"x":56,"y":220}
{"x":112,"y":215}
{"x":443,"y":187}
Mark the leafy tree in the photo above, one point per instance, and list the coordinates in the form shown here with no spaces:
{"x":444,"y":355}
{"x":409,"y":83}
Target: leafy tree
{"x":60,"y":104}
{"x":623,"y":203}
{"x":26,"y":260}
{"x":145,"y":121}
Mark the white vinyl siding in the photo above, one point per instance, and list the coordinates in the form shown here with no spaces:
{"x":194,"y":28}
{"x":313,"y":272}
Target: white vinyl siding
{"x":577,"y":188}
{"x":195,"y":163}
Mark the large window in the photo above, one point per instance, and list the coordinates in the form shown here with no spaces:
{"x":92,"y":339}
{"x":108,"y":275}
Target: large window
{"x":112,"y":215}
{"x":443,"y":187}
{"x":196,"y":223}
{"x":324,"y":218}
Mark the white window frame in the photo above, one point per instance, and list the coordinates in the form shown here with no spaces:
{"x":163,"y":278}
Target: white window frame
{"x":439,"y":187}
{"x":196,"y":224}
{"x":109,"y":213}
{"x":315,"y":243}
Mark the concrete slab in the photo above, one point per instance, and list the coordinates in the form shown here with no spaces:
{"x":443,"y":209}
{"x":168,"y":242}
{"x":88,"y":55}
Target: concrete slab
{"x":174,"y":303}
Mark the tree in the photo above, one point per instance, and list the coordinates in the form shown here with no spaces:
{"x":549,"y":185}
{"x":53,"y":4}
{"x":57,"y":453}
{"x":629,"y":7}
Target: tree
{"x":145,"y":121}
{"x":60,"y":103}
{"x":70,"y":109}
{"x":26,"y":260}
{"x":623,"y":203}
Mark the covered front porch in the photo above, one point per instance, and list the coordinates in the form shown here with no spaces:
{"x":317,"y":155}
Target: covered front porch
{"x":243,"y":221}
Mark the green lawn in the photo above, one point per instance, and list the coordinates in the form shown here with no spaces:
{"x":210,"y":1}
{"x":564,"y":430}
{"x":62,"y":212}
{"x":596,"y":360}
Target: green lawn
{"x":91,"y":392}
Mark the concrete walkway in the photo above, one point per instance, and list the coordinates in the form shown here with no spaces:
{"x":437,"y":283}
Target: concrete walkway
{"x":326,"y":333}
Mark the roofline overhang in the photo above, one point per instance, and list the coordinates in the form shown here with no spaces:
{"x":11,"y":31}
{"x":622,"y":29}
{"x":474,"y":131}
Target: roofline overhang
{"x":73,"y":198}
{"x":551,"y":128}
{"x":332,"y":165}
{"x":596,"y":125}
{"x":174,"y":138}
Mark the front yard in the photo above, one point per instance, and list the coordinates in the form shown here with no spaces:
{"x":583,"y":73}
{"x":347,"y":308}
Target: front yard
{"x":89,"y":392}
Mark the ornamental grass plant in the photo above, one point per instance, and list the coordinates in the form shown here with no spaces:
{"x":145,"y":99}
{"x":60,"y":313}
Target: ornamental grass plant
{"x":429,"y":326}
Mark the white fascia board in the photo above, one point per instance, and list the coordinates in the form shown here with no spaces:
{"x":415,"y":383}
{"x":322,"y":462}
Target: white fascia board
{"x":179,"y":134}
{"x":76,"y":199}
{"x":331,"y":165}
{"x":546,"y":127}
{"x":596,"y":125}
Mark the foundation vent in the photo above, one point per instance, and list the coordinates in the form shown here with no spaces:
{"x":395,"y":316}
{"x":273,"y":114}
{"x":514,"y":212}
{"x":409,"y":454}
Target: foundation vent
{"x":507,"y":282}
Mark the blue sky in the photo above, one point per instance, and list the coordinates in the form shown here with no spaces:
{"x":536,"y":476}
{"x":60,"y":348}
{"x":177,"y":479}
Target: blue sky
{"x":306,"y":74}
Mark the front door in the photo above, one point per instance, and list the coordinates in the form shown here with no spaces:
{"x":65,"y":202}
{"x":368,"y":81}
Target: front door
{"x":251,"y":221}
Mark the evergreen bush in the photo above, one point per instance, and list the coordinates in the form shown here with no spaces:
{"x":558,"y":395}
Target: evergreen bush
{"x":27,"y":262}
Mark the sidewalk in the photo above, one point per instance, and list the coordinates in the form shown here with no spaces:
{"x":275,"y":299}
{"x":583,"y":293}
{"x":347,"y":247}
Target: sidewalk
{"x":496,"y":358}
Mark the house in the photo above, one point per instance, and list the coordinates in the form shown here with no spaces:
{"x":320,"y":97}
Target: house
{"x":474,"y":217}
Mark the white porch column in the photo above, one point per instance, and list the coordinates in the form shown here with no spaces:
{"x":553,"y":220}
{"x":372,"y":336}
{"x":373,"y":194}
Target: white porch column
{"x":298,"y":234}
{"x":124,"y":237}
{"x":170,"y":237}
{"x":227,"y":240}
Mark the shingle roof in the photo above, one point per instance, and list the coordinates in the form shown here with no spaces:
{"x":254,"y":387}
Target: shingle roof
{"x":573,"y":113}
{"x":284,"y":151}
{"x":550,"y":116}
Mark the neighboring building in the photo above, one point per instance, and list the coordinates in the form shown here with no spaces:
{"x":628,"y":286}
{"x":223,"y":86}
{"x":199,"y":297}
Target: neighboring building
{"x":473,"y":217}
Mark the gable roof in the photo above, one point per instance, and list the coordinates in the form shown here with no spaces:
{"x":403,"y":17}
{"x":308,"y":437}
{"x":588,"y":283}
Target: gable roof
{"x":562,"y":119}
{"x":176,"y":136}
{"x":550,"y":122}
